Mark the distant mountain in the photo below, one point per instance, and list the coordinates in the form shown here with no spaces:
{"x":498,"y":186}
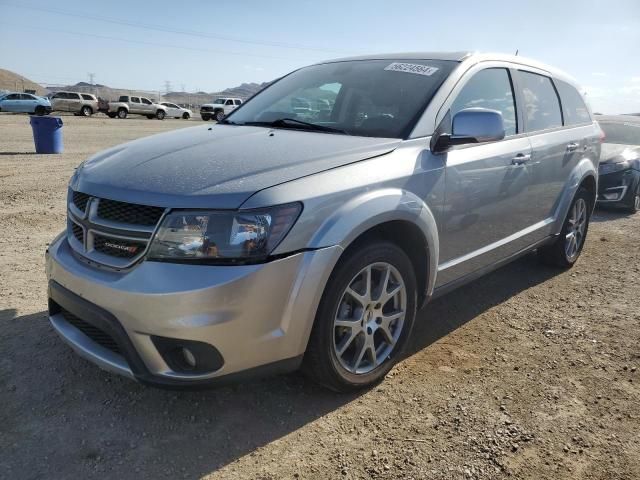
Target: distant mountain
{"x":13,"y":82}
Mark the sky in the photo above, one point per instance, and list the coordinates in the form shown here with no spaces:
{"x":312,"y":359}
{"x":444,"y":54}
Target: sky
{"x":202,"y":45}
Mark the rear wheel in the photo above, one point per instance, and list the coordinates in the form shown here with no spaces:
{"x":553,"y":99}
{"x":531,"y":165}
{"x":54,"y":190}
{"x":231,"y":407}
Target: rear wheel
{"x":219,"y":116}
{"x":122,"y":113}
{"x":566,"y":249}
{"x":86,"y":111}
{"x":364,"y":318}
{"x":160,"y":114}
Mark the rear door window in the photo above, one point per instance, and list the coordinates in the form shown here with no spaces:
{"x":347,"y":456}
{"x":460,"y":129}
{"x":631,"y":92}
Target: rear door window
{"x":238,"y":102}
{"x":541,"y":104}
{"x":573,"y":107}
{"x":146,"y":101}
{"x":490,"y":88}
{"x":135,"y":100}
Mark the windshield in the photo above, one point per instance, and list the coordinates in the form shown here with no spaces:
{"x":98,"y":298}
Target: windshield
{"x":622,"y":133}
{"x":219,"y":101}
{"x":374,"y":98}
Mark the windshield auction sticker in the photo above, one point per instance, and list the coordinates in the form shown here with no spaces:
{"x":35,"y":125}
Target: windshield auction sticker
{"x":412,"y":68}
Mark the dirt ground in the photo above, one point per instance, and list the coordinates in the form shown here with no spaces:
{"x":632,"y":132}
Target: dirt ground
{"x":527,"y":373}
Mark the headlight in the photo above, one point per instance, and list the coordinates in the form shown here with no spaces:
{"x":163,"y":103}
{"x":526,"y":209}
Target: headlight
{"x":613,"y":167}
{"x":221,"y":237}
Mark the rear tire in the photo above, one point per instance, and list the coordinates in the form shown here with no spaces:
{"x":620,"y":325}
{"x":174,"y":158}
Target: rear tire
{"x":353,"y":345}
{"x":86,"y":111}
{"x":122,"y":114}
{"x":160,"y":114}
{"x":219,"y":116}
{"x":566,"y":249}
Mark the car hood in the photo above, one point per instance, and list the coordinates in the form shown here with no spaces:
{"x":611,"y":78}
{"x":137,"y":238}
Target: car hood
{"x":219,"y":166}
{"x":613,"y":152}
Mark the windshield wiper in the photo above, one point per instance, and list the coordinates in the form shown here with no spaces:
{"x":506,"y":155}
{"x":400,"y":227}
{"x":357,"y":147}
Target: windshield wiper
{"x":294,"y":123}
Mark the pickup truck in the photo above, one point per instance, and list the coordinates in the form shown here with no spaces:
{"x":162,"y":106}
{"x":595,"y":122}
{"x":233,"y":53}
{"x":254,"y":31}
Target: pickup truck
{"x":136,"y":105}
{"x":219,"y":108}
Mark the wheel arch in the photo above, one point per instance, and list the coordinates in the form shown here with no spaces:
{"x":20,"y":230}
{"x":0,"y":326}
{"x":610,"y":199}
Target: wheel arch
{"x":584,"y":175}
{"x":394,"y":215}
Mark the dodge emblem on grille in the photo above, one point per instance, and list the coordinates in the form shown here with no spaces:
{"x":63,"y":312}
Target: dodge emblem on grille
{"x":126,"y":248}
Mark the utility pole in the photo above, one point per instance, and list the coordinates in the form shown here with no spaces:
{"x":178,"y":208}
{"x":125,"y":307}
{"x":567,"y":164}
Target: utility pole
{"x":167,"y":86}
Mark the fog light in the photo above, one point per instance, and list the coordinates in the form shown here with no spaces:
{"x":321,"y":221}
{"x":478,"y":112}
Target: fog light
{"x":610,"y":196}
{"x":189,"y":358}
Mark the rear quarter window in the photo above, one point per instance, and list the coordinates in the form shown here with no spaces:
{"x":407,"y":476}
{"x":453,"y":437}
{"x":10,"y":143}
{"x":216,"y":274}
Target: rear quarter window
{"x":87,"y":97}
{"x":541,"y":104}
{"x":573,"y":107}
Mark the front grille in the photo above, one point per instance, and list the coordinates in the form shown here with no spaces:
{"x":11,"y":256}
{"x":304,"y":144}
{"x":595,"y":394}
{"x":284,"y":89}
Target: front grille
{"x":80,"y":200}
{"x":206,"y":109}
{"x":101,"y":338}
{"x":77,"y":232}
{"x":129,"y":212}
{"x":116,"y":247}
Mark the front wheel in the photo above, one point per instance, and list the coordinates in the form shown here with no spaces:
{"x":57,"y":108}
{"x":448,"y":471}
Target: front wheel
{"x":364,"y":319}
{"x":160,"y":114}
{"x":150,"y":117}
{"x":566,"y":249}
{"x":634,"y":203}
{"x":86,"y":111}
{"x":185,"y":116}
{"x":205,"y":118}
{"x":40,"y":111}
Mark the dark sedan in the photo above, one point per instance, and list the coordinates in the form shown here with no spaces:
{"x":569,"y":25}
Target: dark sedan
{"x":619,"y":170}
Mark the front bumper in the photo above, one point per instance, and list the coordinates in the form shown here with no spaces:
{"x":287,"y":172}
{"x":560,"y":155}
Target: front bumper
{"x":616,"y":187}
{"x":255,"y":316}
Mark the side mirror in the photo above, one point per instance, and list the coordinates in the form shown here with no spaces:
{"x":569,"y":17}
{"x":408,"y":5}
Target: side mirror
{"x":472,"y":125}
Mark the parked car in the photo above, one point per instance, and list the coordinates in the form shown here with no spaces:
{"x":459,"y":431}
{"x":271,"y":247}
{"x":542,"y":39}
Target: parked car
{"x":219,"y":108}
{"x":177,"y":111}
{"x":266,"y":242}
{"x":136,"y":105}
{"x":84,"y":104}
{"x":24,"y":103}
{"x":620,"y":162}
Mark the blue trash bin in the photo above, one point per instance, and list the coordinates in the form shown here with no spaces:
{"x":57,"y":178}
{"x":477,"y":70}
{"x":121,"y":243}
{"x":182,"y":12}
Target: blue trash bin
{"x":47,"y":134}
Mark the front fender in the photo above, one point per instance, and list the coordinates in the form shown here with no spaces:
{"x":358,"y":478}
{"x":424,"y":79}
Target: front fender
{"x":361,"y":213}
{"x":584,"y":169}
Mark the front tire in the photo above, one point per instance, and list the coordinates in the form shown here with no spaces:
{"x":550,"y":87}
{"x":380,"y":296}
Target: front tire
{"x":566,"y":249}
{"x":86,"y":111}
{"x":185,"y":116}
{"x":634,"y":203}
{"x":205,"y":118}
{"x":364,"y":319}
{"x":40,"y":111}
{"x":160,"y":114}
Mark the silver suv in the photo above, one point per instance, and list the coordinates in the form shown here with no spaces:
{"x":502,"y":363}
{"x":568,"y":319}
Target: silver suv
{"x":83,"y":104}
{"x":275,"y":240}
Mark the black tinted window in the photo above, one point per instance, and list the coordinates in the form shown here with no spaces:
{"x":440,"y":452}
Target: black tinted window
{"x":542,"y":108}
{"x":573,"y":107}
{"x":237,"y":102}
{"x":123,"y":99}
{"x":624,"y":133}
{"x":87,"y":97}
{"x":490,"y":89}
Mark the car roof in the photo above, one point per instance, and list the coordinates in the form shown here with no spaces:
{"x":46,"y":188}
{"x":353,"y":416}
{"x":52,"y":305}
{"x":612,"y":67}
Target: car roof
{"x":468,"y":57}
{"x":630,"y":118}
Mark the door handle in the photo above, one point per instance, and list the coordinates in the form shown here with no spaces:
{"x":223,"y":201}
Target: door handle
{"x":572,"y":147}
{"x":521,"y":159}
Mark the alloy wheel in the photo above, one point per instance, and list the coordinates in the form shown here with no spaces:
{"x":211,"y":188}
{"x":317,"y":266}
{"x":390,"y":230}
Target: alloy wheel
{"x":370,"y":318}
{"x":576,"y":229}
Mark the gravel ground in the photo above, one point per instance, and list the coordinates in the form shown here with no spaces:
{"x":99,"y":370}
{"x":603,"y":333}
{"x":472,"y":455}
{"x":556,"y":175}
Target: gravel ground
{"x":529,"y":372}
